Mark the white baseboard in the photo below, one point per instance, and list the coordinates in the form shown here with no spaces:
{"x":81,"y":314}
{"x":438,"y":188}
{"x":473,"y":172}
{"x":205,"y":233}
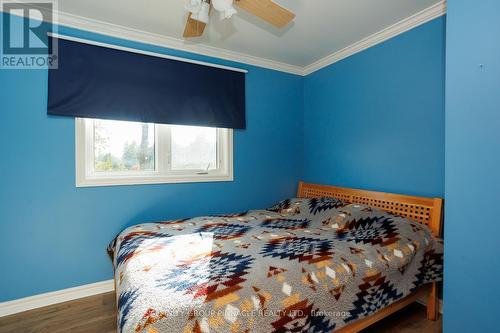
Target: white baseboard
{"x":55,"y":297}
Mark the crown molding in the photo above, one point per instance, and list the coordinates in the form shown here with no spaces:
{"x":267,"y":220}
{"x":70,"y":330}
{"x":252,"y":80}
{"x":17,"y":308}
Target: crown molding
{"x":400,"y":27}
{"x":118,"y":31}
{"x":135,"y":35}
{"x":55,"y":297}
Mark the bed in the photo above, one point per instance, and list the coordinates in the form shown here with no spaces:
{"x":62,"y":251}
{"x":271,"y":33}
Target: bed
{"x":331,"y":260}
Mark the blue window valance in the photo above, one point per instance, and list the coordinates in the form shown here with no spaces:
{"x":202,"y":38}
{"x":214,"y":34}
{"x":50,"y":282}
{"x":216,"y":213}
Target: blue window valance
{"x":99,"y":82}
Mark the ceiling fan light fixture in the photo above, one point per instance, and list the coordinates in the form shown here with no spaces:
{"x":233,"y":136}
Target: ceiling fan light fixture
{"x":192,"y":6}
{"x":203,"y":14}
{"x":200,"y":10}
{"x":225,"y":7}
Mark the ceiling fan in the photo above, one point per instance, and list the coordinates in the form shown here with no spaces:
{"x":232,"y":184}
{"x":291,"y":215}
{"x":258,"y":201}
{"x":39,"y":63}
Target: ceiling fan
{"x":200,"y":11}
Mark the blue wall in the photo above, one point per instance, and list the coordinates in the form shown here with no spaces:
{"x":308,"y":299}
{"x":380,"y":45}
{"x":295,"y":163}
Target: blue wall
{"x":375,"y":120}
{"x":54,"y":235}
{"x":472,"y":228}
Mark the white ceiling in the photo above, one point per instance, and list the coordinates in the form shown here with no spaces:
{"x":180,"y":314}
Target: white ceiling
{"x":321,"y":27}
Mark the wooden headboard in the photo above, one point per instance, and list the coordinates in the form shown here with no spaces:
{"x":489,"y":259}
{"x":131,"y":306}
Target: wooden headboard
{"x":423,"y":210}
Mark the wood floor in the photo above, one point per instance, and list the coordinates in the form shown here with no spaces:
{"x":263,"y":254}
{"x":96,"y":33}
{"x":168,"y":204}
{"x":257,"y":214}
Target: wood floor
{"x":96,"y":314}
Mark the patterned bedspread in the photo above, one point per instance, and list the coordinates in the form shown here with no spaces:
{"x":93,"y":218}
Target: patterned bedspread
{"x":304,"y":265}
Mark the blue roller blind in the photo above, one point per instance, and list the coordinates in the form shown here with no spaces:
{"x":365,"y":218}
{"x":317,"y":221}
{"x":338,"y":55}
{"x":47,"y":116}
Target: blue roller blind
{"x":98,"y":82}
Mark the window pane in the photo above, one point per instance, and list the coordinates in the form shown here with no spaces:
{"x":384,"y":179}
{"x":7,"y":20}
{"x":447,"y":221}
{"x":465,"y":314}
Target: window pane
{"x":194,"y":148}
{"x":123,"y":146}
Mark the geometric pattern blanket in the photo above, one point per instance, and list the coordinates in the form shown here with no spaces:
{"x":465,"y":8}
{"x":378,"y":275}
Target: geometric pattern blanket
{"x":304,"y":265}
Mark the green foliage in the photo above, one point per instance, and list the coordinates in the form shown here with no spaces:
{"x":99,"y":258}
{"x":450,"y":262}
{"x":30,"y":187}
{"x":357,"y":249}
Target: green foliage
{"x":107,"y":162}
{"x":134,"y":156}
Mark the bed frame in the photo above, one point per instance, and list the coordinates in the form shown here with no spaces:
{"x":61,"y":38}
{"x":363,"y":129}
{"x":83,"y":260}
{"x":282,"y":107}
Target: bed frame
{"x":427,"y":211}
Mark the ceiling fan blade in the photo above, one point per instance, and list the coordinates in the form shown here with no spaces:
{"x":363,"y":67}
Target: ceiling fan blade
{"x":268,"y":11}
{"x":193,"y":28}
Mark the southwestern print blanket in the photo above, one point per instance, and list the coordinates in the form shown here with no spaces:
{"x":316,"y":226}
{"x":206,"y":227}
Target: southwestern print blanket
{"x":304,"y":265}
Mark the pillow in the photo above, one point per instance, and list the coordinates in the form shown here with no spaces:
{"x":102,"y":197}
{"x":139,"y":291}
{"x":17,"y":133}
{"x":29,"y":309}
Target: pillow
{"x":307,"y":207}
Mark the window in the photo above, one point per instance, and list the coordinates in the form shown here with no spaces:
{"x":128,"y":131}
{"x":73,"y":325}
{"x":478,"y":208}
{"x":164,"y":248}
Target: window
{"x":110,"y":152}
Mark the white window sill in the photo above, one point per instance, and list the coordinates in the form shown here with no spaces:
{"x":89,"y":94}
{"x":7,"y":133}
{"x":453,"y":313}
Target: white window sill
{"x":145,"y":180}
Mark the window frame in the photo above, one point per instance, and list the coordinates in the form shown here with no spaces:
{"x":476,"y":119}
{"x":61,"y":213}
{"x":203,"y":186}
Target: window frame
{"x":86,"y":176}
